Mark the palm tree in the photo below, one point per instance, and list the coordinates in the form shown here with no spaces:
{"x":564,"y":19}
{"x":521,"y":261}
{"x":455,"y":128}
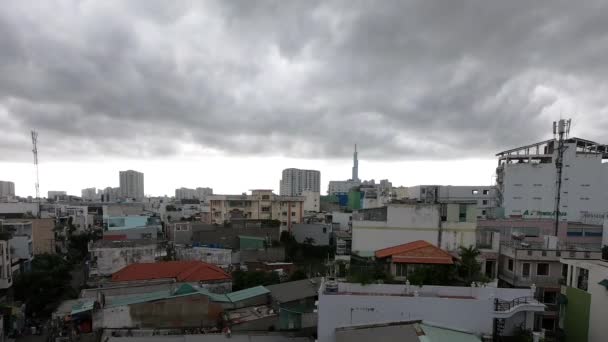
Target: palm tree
{"x":468,"y":267}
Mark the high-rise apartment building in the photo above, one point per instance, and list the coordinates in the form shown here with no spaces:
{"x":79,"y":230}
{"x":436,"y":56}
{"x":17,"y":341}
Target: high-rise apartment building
{"x":295,"y":181}
{"x":54,"y":194}
{"x":7,"y":189}
{"x":132,"y":184}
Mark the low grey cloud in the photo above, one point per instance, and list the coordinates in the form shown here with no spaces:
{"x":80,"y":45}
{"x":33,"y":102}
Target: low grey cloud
{"x":403,"y":79}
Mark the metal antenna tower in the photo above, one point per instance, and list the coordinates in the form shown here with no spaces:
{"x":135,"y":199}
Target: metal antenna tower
{"x":35,"y":151}
{"x":561,"y":128}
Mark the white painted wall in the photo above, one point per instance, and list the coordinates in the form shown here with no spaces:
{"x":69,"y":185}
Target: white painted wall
{"x":312,"y":200}
{"x":474,"y":315}
{"x":342,"y":218}
{"x":111,"y":260}
{"x":532,"y":186}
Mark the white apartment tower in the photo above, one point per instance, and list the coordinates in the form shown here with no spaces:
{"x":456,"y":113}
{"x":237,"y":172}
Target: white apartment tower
{"x":7,"y":189}
{"x":132,"y":184}
{"x":295,"y":181}
{"x":88,"y":194}
{"x":528,"y":177}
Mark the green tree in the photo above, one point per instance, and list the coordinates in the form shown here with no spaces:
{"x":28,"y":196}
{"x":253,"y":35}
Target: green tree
{"x":246,"y":279}
{"x":469,"y":269}
{"x":45,"y":285}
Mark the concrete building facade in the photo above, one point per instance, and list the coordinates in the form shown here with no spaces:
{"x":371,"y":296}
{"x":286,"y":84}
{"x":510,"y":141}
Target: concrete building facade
{"x":89,"y":194}
{"x":296,"y":181}
{"x":483,"y":195}
{"x":260,"y":205}
{"x":131,"y":184}
{"x":198,"y":193}
{"x":526,"y":179}
{"x":447,"y":226}
{"x":586,"y":291}
{"x":472,"y":309}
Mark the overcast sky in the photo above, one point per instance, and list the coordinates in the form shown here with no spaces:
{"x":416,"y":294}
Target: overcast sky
{"x":228,"y":93}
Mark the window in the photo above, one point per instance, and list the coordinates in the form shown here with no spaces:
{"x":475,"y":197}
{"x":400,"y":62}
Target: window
{"x":544,"y":253}
{"x":529,"y":252}
{"x":537,"y":198}
{"x":483,"y":212}
{"x":265,"y":197}
{"x":293,"y":213}
{"x":510,"y":265}
{"x":486,"y":192}
{"x":444,"y":212}
{"x":558,"y":253}
{"x":475,"y":192}
{"x":284,"y":223}
{"x":572,"y":254}
{"x":324,"y":230}
{"x":265,"y":209}
{"x":401,"y":270}
{"x":587,"y":255}
{"x":525,"y":270}
{"x":484,"y":202}
{"x":537,"y":184}
{"x":284,"y":213}
{"x":462,"y":216}
{"x":542,"y":269}
{"x":564,"y":270}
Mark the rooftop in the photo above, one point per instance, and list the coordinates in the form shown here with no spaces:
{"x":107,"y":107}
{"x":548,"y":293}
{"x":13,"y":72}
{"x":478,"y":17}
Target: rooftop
{"x":295,"y":290}
{"x":181,"y":271}
{"x":250,"y":313}
{"x":123,"y":243}
{"x":416,"y":252}
{"x":407,"y":331}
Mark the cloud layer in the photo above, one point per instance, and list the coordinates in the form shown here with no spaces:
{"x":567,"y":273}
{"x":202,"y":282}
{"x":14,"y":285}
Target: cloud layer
{"x":404,"y":80}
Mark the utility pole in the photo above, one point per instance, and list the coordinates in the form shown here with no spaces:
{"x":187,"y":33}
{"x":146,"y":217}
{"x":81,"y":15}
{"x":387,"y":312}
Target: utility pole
{"x":35,"y":151}
{"x":561,"y":127}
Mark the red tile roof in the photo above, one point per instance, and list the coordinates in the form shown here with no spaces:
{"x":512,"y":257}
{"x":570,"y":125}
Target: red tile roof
{"x":416,"y":252}
{"x":181,"y":271}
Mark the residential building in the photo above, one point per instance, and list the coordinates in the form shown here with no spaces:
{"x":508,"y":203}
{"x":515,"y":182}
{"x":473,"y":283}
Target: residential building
{"x":110,"y":194}
{"x":138,"y":233}
{"x":108,"y":257}
{"x":342,"y":187}
{"x":53,"y":195}
{"x":18,"y":209}
{"x":198,"y":193}
{"x":220,"y":257}
{"x":318,"y":234}
{"x":403,"y":259}
{"x":527,"y":263}
{"x":295,"y":303}
{"x":295,"y":181}
{"x":526,"y":179}
{"x":312,"y":201}
{"x":89,"y":194}
{"x":585,"y":307}
{"x":483,"y":196}
{"x":403,"y":331}
{"x":446,"y":225}
{"x":43,"y":236}
{"x":132,"y":185}
{"x":20,"y":243}
{"x":7,"y":189}
{"x":484,"y":311}
{"x":260,"y":205}
{"x":131,"y":222}
{"x":199,"y":273}
{"x":343,"y":220}
{"x":6,"y":274}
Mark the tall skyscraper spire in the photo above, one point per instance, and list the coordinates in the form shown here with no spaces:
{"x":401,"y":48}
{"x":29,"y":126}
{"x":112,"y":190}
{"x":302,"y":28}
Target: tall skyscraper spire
{"x":355,"y":165}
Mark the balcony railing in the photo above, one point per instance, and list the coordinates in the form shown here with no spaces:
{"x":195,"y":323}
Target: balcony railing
{"x":502,"y":305}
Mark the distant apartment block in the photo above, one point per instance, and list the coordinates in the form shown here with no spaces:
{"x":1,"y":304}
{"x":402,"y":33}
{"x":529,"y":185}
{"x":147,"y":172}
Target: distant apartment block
{"x":7,"y":189}
{"x":260,"y":205}
{"x":132,"y":184}
{"x":52,"y":195}
{"x":198,"y":193}
{"x":88,"y":194}
{"x":295,"y":181}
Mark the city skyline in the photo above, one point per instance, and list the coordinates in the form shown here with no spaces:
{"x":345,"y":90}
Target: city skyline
{"x":140,"y":85}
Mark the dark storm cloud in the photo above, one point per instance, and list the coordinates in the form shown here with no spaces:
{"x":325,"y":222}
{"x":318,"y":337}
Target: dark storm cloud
{"x":301,"y":79}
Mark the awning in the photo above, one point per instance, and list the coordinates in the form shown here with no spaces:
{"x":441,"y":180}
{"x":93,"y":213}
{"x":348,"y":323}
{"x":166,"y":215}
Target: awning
{"x":83,"y":306}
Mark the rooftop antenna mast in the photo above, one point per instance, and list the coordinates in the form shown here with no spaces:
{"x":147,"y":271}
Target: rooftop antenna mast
{"x":35,"y":151}
{"x":562,"y":127}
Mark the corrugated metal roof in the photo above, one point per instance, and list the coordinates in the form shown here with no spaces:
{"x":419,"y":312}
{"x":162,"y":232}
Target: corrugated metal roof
{"x":83,"y":306}
{"x":295,"y":290}
{"x":182,"y":271}
{"x":247,"y":293}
